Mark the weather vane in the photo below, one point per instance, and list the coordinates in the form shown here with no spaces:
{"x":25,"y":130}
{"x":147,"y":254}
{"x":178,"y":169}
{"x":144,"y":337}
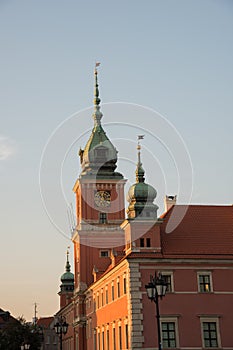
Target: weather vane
{"x":140,"y":137}
{"x":97,"y":64}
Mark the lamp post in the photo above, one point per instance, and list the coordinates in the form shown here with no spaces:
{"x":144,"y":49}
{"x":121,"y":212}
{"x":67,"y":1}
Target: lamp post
{"x":156,"y":289}
{"x":61,"y":327}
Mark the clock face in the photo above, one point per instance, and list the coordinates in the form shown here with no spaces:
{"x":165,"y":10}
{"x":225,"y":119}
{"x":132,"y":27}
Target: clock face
{"x":102,"y":199}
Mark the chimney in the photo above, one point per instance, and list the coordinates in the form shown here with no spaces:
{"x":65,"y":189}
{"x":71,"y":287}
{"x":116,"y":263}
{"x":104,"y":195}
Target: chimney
{"x":169,"y":201}
{"x":94,"y":273}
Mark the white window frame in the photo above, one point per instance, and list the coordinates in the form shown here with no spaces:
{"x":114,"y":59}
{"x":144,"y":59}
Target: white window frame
{"x":205,"y":273}
{"x":210,"y":319}
{"x":104,"y":251}
{"x":169,"y":273}
{"x":174,"y":320}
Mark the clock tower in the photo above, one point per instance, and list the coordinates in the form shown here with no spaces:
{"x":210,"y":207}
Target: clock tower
{"x":100,"y":207}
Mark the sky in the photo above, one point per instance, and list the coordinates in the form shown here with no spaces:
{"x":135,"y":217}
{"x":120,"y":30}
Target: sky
{"x":166,"y":72}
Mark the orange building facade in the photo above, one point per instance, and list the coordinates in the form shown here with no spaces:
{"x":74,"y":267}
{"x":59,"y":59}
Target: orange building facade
{"x":107,"y":308}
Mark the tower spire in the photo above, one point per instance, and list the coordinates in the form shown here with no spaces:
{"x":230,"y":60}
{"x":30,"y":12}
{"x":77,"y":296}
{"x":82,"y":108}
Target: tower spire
{"x":67,"y":260}
{"x":139,"y":170}
{"x":97,"y":115}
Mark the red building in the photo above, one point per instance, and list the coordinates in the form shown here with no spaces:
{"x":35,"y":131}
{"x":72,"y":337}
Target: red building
{"x":114,"y":257}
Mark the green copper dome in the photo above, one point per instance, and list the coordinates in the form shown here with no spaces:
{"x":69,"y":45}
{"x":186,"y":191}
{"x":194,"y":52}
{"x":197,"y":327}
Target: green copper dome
{"x":99,"y":157}
{"x":141,"y":192}
{"x":141,"y":196}
{"x":67,"y":278}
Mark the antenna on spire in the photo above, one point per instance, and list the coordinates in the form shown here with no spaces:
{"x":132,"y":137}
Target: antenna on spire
{"x":139,"y":170}
{"x":67,"y":253}
{"x":97,"y":115}
{"x":67,"y":259}
{"x":34,"y":320}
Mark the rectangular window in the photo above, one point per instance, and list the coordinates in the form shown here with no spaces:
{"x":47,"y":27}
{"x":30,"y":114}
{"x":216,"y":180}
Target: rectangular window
{"x":141,"y":242}
{"x":104,"y":253}
{"x":148,"y":242}
{"x":126,"y":336}
{"x":114,"y":338}
{"x":98,"y":301}
{"x":168,"y":334}
{"x":102,"y":298}
{"x":107,"y":340}
{"x":204,"y":283}
{"x":112,"y":292}
{"x":103,"y":340}
{"x":124,"y":285}
{"x":210,"y":334}
{"x":102,"y":218}
{"x":168,"y":280}
{"x":118,"y":289}
{"x":120,"y":338}
{"x":98,"y":341}
{"x":101,"y":153}
{"x":106,"y":296}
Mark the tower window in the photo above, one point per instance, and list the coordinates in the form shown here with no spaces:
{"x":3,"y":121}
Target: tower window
{"x":102,"y":218}
{"x":114,"y":339}
{"x":102,"y":298}
{"x":124,"y":285}
{"x":120,"y":338}
{"x":126,"y":336}
{"x":107,"y":339}
{"x":101,"y":153}
{"x":106,"y":295}
{"x":118,"y":289}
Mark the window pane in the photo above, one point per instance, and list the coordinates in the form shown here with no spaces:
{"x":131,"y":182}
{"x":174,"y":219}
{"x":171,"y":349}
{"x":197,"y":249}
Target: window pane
{"x":172,"y":344}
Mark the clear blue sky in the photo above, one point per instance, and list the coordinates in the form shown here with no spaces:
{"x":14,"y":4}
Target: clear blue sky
{"x":174,"y":57}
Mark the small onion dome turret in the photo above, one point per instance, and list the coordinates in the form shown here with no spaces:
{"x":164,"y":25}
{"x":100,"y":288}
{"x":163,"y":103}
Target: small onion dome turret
{"x":141,"y":196}
{"x":67,"y":278}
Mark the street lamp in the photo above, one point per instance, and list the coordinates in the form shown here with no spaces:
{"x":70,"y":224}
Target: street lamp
{"x":25,"y":346}
{"x":156,"y":289}
{"x":61,"y":327}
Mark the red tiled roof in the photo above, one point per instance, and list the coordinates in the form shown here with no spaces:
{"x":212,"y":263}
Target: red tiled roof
{"x":204,"y":230}
{"x":45,"y":321}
